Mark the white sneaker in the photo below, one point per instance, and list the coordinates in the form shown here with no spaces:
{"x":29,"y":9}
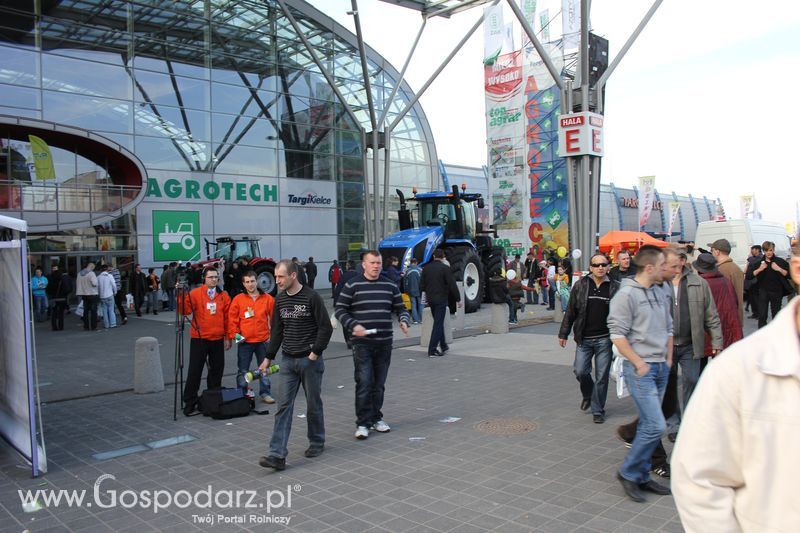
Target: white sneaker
{"x":362,"y":433}
{"x":381,"y":427}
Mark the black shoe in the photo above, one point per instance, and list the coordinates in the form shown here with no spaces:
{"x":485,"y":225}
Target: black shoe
{"x":436,"y":353}
{"x":586,"y":403}
{"x":662,"y":470}
{"x":599,"y":419}
{"x":625,"y":441}
{"x":190,"y":409}
{"x":632,"y":490}
{"x":753,"y":316}
{"x":314,"y":451}
{"x":272,"y":462}
{"x":655,"y":488}
{"x":445,"y":350}
{"x":138,"y":314}
{"x":155,"y":312}
{"x":672,"y":436}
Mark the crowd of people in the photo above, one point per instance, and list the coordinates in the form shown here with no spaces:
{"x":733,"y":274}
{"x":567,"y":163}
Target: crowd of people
{"x":666,"y":317}
{"x":666,"y":313}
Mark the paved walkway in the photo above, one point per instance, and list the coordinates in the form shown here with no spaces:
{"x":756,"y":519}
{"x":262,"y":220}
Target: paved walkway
{"x":425,"y":475}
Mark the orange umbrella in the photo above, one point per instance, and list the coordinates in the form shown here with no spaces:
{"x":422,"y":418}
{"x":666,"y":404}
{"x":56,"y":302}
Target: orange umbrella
{"x":627,"y":240}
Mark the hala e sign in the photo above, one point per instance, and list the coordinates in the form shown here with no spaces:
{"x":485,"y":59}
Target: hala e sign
{"x":580,"y":134}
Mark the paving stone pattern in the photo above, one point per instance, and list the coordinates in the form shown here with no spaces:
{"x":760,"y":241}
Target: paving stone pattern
{"x":425,"y":475}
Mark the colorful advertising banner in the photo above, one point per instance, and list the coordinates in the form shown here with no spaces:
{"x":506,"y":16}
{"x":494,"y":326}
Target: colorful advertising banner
{"x":504,"y":126}
{"x":647,"y":191}
{"x":527,"y":178}
{"x":493,"y":33}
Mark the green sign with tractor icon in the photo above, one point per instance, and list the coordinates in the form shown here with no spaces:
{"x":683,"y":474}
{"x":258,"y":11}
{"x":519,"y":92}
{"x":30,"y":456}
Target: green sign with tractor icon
{"x":176,"y":235}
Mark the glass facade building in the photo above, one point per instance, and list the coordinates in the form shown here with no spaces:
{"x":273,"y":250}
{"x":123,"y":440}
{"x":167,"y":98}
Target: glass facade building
{"x":237,"y":130}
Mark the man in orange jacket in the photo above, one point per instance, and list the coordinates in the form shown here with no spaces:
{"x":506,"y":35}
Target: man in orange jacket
{"x":249,"y":316}
{"x":209,"y":324}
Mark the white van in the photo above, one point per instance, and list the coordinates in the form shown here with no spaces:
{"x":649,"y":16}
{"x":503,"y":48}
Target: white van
{"x":742,"y":234}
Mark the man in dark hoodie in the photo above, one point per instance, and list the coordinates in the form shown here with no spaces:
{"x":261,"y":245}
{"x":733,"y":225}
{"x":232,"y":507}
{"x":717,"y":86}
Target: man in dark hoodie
{"x":640,"y":326}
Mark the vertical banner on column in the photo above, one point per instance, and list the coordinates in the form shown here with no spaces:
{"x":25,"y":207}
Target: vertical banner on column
{"x":504,"y":126}
{"x":746,"y":203}
{"x":494,"y":31}
{"x":548,"y":229}
{"x":647,"y":189}
{"x":674,"y":207}
{"x":571,"y":23}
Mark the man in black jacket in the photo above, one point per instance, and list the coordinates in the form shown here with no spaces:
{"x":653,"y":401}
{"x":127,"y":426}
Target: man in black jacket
{"x":772,"y":276}
{"x":139,"y":288}
{"x":311,"y":271}
{"x":439,"y":286}
{"x":301,"y":329}
{"x":625,"y":268}
{"x":586,"y":316}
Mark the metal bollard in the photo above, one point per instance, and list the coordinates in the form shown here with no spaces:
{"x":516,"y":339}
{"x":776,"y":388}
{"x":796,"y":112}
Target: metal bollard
{"x":147,"y":373}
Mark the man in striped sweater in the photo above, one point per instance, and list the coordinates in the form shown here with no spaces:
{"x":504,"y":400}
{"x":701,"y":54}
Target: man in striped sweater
{"x":364,"y":308}
{"x":302,"y":328}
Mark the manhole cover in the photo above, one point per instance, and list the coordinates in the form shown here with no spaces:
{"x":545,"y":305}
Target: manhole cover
{"x":506,"y":427}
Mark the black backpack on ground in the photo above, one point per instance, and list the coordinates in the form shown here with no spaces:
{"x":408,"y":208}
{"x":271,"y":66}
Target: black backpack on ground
{"x":224,"y":403}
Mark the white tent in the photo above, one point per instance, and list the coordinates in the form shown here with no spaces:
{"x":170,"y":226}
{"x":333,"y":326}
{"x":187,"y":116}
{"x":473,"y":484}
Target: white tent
{"x":20,"y":415}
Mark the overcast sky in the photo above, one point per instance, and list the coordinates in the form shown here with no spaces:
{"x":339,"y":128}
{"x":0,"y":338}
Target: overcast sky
{"x":706,"y":100}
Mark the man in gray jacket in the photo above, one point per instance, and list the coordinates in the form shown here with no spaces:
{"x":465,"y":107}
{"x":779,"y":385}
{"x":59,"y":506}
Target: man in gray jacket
{"x":640,"y":326}
{"x":694,"y":313}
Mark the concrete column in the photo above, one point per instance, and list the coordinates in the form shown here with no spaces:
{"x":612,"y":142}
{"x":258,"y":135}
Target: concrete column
{"x":147,"y":373}
{"x":499,"y":318}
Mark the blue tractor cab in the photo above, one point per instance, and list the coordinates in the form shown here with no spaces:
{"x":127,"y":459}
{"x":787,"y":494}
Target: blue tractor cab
{"x":447,"y":220}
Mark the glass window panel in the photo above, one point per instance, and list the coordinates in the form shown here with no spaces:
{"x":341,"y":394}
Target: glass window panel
{"x":248,"y":160}
{"x":172,"y":154}
{"x":350,"y":169}
{"x":91,"y":113}
{"x":351,"y":195}
{"x":348,"y":143}
{"x":323,"y":167}
{"x":19,"y":97}
{"x":243,"y":130}
{"x":18,"y":66}
{"x":84,"y":77}
{"x":351,"y":221}
{"x":179,"y":68}
{"x":171,"y":122}
{"x":18,"y":112}
{"x":305,"y":137}
{"x":159,"y":89}
{"x":239,"y":100}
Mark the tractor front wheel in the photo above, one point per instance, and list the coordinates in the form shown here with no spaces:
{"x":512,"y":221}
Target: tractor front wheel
{"x":467,"y":268}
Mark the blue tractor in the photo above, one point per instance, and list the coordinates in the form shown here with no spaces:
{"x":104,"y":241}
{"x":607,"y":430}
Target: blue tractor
{"x":447,"y":220}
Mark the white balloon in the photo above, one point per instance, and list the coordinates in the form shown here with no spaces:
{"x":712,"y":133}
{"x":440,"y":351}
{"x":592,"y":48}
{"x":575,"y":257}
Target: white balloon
{"x":576,"y":254}
{"x":510,"y":275}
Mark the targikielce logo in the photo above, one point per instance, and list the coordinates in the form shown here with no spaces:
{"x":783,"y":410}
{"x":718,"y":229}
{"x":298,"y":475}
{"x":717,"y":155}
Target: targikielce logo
{"x":310,"y":198}
{"x":155,"y":500}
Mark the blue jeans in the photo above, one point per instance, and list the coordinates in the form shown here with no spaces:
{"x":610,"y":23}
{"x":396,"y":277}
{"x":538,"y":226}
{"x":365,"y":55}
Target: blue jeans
{"x":683,"y":356}
{"x":551,"y":296}
{"x":545,"y":293}
{"x":371,"y":362}
{"x":437,"y":334}
{"x":39,"y":307}
{"x":296,"y":371}
{"x":512,"y":309}
{"x":170,"y":299}
{"x":647,"y":392}
{"x":416,"y":308}
{"x":245,"y":354}
{"x":107,"y":308}
{"x":597,"y":389}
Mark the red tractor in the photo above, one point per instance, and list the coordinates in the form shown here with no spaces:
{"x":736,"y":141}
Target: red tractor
{"x":229,"y":249}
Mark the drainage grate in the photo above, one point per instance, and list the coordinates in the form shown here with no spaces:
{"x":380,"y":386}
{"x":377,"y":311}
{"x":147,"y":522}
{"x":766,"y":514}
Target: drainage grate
{"x":506,"y":427}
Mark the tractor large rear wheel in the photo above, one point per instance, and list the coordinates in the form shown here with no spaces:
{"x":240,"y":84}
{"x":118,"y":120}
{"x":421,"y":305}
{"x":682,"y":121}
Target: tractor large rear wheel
{"x":467,"y":267}
{"x":265,"y":276}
